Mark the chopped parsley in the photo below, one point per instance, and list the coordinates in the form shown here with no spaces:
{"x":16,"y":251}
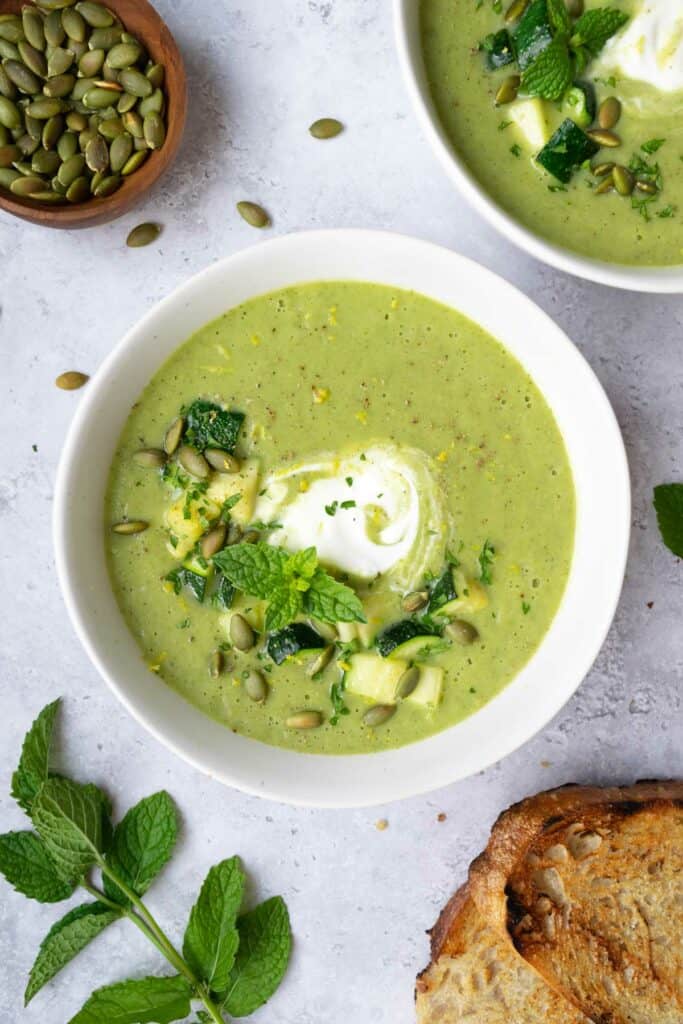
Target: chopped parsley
{"x":486,"y":557}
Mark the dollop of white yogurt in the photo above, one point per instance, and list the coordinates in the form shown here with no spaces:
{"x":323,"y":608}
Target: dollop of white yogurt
{"x":650,"y":46}
{"x":369,"y":512}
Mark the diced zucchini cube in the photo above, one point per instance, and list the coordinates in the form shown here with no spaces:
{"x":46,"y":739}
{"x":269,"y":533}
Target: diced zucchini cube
{"x":429,"y":690}
{"x":244,"y":483}
{"x":375,"y":678}
{"x":532,"y":119}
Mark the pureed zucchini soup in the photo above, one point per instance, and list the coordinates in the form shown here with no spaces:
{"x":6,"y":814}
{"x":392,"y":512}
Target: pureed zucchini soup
{"x":340,"y":518}
{"x":572,"y":122}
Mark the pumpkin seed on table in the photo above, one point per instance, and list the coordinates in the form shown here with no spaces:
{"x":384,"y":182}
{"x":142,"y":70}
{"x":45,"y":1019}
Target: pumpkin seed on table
{"x":71,"y":380}
{"x":326,"y":128}
{"x":145,"y":234}
{"x":254,"y":215}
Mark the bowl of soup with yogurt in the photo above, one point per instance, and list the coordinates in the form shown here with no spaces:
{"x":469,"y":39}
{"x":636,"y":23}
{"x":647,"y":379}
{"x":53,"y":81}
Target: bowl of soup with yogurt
{"x":340,"y":548}
{"x":562,"y":121}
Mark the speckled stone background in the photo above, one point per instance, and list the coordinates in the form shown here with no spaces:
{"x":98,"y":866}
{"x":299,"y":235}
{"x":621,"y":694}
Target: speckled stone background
{"x":260,"y":72}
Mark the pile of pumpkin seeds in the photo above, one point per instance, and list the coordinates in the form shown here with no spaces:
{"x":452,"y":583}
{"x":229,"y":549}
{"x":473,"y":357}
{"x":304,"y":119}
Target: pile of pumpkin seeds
{"x":81,"y":103}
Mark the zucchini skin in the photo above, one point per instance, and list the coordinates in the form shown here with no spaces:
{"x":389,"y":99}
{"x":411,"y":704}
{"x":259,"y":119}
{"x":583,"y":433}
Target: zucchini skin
{"x":533,"y":33}
{"x":566,"y":150}
{"x":499,"y":50}
{"x":399,"y":633}
{"x":292,"y":639}
{"x":443,"y":591}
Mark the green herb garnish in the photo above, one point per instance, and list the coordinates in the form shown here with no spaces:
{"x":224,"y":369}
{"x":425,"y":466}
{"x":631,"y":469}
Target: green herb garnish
{"x":486,"y":558}
{"x":653,"y":145}
{"x":668,"y":502}
{"x":208,"y":425}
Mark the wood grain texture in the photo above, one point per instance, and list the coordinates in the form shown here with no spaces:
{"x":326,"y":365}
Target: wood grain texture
{"x":142,"y":20}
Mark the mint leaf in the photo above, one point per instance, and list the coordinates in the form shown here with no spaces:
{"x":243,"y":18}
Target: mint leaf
{"x":70,"y":820}
{"x":65,"y":940}
{"x":668,"y":502}
{"x":594,"y":28}
{"x":559,"y":16}
{"x":142,"y":844}
{"x":265,"y":944}
{"x":550,"y":75}
{"x":331,"y":601}
{"x":33,"y":764}
{"x":211,"y":938}
{"x":284,"y":606}
{"x":147,"y":1001}
{"x":257,"y":569}
{"x":28,"y":867}
{"x":303,"y":563}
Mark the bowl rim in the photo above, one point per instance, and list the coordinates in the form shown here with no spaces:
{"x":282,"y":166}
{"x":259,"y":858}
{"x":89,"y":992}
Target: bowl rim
{"x":659,"y":280}
{"x":523,"y":707}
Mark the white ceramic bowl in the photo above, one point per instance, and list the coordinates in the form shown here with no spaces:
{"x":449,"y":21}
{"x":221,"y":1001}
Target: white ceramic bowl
{"x":645,"y":279}
{"x":601,"y":478}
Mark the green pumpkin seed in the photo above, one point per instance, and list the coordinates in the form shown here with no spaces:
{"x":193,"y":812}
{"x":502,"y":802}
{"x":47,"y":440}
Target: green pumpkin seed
{"x":82,"y":86}
{"x":256,"y":687}
{"x":45,"y":161}
{"x":413,"y":602}
{"x":141,"y":145}
{"x":507,"y":91}
{"x":609,"y":112}
{"x":150,"y":458}
{"x":112,"y":128}
{"x":32,"y":58}
{"x":156,"y":75}
{"x":67,"y":146}
{"x":56,"y":186}
{"x":90,"y":64}
{"x":234,"y":534}
{"x":241,"y":633}
{"x":213,"y":541}
{"x":130,"y":526}
{"x":9,"y":155}
{"x":108,"y":186}
{"x":126,"y":102}
{"x":216,"y":664}
{"x":516,"y":10}
{"x":104,"y":38}
{"x":408,"y":682}
{"x":71,"y":169}
{"x":94,"y":14}
{"x":461,"y":632}
{"x":12,"y":30}
{"x":59,"y":86}
{"x":54,"y":29}
{"x":111,"y":85}
{"x":22,"y":77}
{"x":54,"y":5}
{"x":124,"y":55}
{"x":378,"y":715}
{"x":6,"y":137}
{"x":193,"y":462}
{"x":96,"y":180}
{"x":253,"y":214}
{"x":153,"y":104}
{"x":136,"y":161}
{"x":648,"y":187}
{"x":10,"y":116}
{"x":71,"y":380}
{"x":321,"y":661}
{"x":154,"y":130}
{"x":27,"y":145}
{"x":109,"y":74}
{"x":76,"y":122}
{"x":97,"y":154}
{"x":605,"y":186}
{"x":173,"y":435}
{"x":600,"y":170}
{"x":32,"y":24}
{"x":145,"y":234}
{"x":74,"y":25}
{"x":8,"y":51}
{"x":59,"y":61}
{"x":51,"y":198}
{"x":604,"y":138}
{"x":7,"y":87}
{"x":134,"y":82}
{"x":52,"y":131}
{"x":119,"y":151}
{"x":304,"y":720}
{"x":8,"y":175}
{"x":84,"y":138}
{"x":34,"y":127}
{"x":46,"y":108}
{"x":624,"y":181}
{"x":326,"y":128}
{"x":133,"y":123}
{"x":76,"y":49}
{"x":79,"y":190}
{"x":222,"y":461}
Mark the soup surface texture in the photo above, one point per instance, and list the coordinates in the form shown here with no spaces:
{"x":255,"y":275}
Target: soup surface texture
{"x":641,"y":66}
{"x":406,"y":445}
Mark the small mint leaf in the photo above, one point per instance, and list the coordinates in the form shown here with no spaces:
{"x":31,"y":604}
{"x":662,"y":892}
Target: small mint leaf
{"x":668,"y":502}
{"x":303,"y":563}
{"x":71,"y":821}
{"x":257,"y":569}
{"x":147,"y":1001}
{"x":142,"y":844}
{"x":65,"y":940}
{"x":550,"y":75}
{"x":27,"y":866}
{"x":594,"y":28}
{"x":559,"y":16}
{"x":265,"y":944}
{"x":284,"y":606}
{"x":32,"y":770}
{"x":331,"y":601}
{"x":211,"y":938}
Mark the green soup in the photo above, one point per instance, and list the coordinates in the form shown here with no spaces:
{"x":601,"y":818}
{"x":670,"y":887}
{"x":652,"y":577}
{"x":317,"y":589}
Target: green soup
{"x":637,"y":228}
{"x":333,"y":375}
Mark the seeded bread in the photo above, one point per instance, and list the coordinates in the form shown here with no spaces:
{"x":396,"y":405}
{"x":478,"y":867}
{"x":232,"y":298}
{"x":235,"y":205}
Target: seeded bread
{"x":573,"y":913}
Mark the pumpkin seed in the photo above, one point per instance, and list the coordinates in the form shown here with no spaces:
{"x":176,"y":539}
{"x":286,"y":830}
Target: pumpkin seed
{"x":104,"y":38}
{"x":304,"y":720}
{"x":52,"y":131}
{"x":150,"y":458}
{"x":76,"y":122}
{"x":91,"y":64}
{"x":32,"y":24}
{"x":95,"y":15}
{"x":508,"y":90}
{"x":45,"y":161}
{"x":97,"y":99}
{"x":516,"y":10}
{"x":96,"y":180}
{"x":378,"y":715}
{"x":97,"y":154}
{"x":234,"y":534}
{"x":108,"y":186}
{"x":112,"y":128}
{"x":67,"y":145}
{"x":74,"y":25}
{"x":7,"y":87}
{"x":126,"y":102}
{"x":648,"y":187}
{"x":54,"y":5}
{"x":12,"y":30}
{"x":9,"y":154}
{"x":46,"y":108}
{"x":79,"y":190}
{"x":600,"y":170}
{"x":71,"y":169}
{"x":82,"y":86}
{"x":609,"y":112}
{"x":130,"y":526}
{"x":120,"y":150}
{"x":59,"y":86}
{"x":193,"y":462}
{"x":213,"y":541}
{"x":241,"y":633}
{"x":222,"y":461}
{"x":8,"y":175}
{"x":22,"y":77}
{"x":143,"y":235}
{"x":603,"y":137}
{"x":24,"y":166}
{"x":462,"y":632}
{"x":134,"y":82}
{"x":251,"y":537}
{"x":110,"y":84}
{"x":156,"y":74}
{"x":321,"y":661}
{"x":216,"y":664}
{"x":408,"y":682}
{"x":413,"y":602}
{"x":326,"y":128}
{"x":47,"y":197}
{"x":173,"y":435}
{"x":32,"y":58}
{"x":59,"y":61}
{"x":33,"y":126}
{"x":154,"y":130}
{"x":56,"y":186}
{"x":624,"y":181}
{"x":71,"y":380}
{"x":26,"y":185}
{"x":8,"y":51}
{"x":9,"y":113}
{"x":256,"y":687}
{"x":132,"y":122}
{"x":253,"y":214}
{"x":27,"y":145}
{"x":54,"y":29}
{"x":153,"y":104}
{"x":606,"y":185}
{"x":124,"y":55}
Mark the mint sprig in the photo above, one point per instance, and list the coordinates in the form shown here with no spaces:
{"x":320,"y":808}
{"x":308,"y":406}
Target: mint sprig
{"x":551,"y":73}
{"x":594,"y":28}
{"x":291,"y":583}
{"x":231,"y":964}
{"x":668,"y":502}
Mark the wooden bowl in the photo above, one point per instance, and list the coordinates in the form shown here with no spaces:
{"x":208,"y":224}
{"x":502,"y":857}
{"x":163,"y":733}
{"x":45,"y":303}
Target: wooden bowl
{"x":141,"y":19}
